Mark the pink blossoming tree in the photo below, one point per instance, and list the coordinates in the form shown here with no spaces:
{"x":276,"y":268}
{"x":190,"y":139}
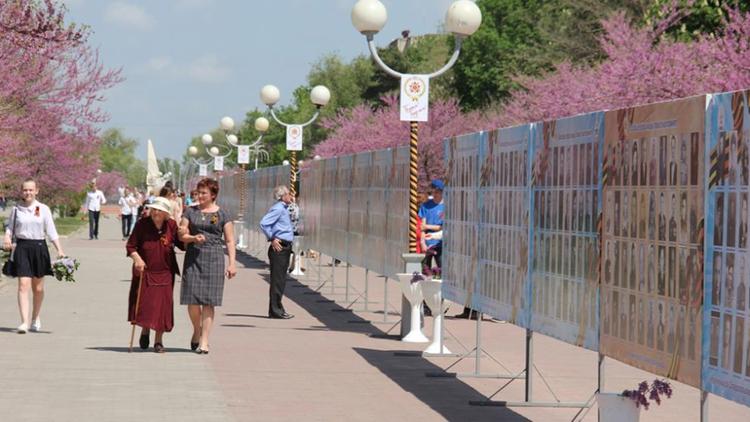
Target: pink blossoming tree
{"x":643,"y":66}
{"x":362,"y":129}
{"x":50,"y":92}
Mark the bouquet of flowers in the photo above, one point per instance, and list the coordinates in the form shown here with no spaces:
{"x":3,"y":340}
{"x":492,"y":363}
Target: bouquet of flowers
{"x":64,"y":268}
{"x":645,"y":394}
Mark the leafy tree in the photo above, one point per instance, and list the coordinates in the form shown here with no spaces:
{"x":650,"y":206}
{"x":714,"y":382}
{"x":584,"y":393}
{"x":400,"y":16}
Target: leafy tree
{"x":700,"y":16}
{"x":642,"y":66}
{"x":527,"y":38}
{"x":117,"y":154}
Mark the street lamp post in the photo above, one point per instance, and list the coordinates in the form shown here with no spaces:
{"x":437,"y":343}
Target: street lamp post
{"x":319,"y":96}
{"x":462,"y":19}
{"x":243,"y":158}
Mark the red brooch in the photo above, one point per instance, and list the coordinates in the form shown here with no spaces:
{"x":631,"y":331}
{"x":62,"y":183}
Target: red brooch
{"x":163,"y":240}
{"x":36,"y":211}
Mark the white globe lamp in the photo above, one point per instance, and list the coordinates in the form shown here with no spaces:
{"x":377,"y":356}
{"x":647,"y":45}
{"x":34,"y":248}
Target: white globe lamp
{"x":232,"y":139}
{"x":463,"y":18}
{"x":262,"y":124}
{"x":227,"y":123}
{"x":369,"y":16}
{"x":193,"y":151}
{"x":270,"y":95}
{"x":207,"y":139}
{"x":320,"y":96}
{"x":214,"y":151}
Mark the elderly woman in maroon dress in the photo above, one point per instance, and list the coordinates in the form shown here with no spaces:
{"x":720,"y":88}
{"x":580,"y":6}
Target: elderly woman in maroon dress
{"x":151,"y":247}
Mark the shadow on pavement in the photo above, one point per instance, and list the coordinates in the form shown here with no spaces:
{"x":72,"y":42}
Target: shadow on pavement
{"x":247,"y":315}
{"x":15,"y":331}
{"x":238,"y":325}
{"x":449,"y":396}
{"x":137,"y":349}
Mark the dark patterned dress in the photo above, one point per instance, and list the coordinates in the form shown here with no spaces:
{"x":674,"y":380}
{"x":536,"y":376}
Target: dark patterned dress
{"x":203,"y":270}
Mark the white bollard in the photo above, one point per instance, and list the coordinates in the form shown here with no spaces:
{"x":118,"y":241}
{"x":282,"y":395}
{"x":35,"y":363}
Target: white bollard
{"x":413,"y":293}
{"x":431,"y":290}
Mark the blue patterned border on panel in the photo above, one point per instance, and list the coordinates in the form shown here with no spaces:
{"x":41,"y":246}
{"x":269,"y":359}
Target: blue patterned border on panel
{"x":726,"y":317}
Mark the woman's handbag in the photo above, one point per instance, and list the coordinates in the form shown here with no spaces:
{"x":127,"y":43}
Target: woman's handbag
{"x":9,"y":267}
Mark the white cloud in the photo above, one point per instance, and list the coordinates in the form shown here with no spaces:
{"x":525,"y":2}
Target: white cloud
{"x":129,"y":16}
{"x":158,"y":64}
{"x":208,"y":69}
{"x":193,"y":4}
{"x":204,"y":69}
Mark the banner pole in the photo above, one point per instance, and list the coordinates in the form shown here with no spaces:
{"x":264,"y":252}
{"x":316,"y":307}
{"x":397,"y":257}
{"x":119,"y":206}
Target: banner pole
{"x":529,"y":363}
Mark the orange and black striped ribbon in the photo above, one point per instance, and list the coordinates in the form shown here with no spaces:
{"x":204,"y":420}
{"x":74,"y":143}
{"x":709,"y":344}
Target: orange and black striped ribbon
{"x":413,"y":180}
{"x":293,"y":174}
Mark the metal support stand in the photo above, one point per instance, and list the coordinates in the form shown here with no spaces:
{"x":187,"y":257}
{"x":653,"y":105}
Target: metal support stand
{"x":528,"y":399}
{"x":367,"y":289}
{"x":478,"y":352}
{"x":704,"y":406}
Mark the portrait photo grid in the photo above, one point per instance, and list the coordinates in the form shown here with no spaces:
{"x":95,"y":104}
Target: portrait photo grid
{"x":397,"y":212}
{"x":460,"y":228}
{"x":653,"y":206}
{"x":566,"y":241}
{"x":726,"y":302}
{"x":503,"y":202}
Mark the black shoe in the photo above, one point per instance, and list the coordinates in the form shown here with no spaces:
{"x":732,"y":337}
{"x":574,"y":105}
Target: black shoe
{"x":143,"y":341}
{"x":193,"y":346}
{"x":282,"y":316}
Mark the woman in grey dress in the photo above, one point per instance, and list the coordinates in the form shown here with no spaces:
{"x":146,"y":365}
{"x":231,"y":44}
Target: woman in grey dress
{"x":205,"y":229}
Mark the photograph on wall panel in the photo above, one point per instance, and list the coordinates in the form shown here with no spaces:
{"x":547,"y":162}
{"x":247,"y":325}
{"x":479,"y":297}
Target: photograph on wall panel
{"x":397,"y":212}
{"x":726,"y":319}
{"x":503,"y":204}
{"x":565,"y":261}
{"x":653,"y":208}
{"x":459,"y":272}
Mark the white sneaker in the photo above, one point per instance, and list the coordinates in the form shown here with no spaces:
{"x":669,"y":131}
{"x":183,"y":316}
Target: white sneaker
{"x":22,"y":329}
{"x":36,"y":326}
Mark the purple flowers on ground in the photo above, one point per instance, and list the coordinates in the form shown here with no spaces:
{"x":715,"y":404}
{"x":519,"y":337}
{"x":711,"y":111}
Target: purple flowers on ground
{"x":645,"y":394}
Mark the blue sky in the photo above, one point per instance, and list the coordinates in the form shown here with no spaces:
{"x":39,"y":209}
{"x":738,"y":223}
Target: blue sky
{"x":190,"y":62}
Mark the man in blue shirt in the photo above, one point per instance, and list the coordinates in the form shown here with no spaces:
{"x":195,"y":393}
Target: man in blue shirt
{"x":277,"y":226}
{"x":432,"y":213}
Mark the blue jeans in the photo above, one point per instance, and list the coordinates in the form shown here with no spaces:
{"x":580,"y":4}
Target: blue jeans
{"x":94,"y":224}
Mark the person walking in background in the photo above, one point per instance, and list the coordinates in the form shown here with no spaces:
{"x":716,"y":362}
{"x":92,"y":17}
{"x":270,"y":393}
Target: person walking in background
{"x":151,"y":247}
{"x":29,"y":225}
{"x":294,"y":216}
{"x":132,"y":200}
{"x":94,"y":201}
{"x":205,"y":229}
{"x":126,"y":213}
{"x":277,"y":226}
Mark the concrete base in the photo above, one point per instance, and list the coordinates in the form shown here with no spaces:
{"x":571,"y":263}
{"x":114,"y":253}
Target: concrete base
{"x":412,"y":263}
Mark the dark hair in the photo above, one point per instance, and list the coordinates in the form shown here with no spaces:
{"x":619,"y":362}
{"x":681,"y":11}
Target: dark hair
{"x":166,"y":191}
{"x":210,"y":184}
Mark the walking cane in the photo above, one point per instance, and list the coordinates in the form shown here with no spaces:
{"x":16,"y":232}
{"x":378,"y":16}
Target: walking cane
{"x":135,"y":314}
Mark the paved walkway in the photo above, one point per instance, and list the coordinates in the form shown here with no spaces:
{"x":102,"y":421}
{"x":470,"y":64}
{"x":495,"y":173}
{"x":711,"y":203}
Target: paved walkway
{"x":318,"y":366}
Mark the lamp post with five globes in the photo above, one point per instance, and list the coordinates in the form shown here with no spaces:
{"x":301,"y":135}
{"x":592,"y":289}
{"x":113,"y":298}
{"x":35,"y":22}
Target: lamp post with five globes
{"x":319,"y":96}
{"x":243,"y":158}
{"x":462,"y":19}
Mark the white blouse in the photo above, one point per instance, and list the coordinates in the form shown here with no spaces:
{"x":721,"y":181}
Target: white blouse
{"x":95,"y":200}
{"x":32,"y":223}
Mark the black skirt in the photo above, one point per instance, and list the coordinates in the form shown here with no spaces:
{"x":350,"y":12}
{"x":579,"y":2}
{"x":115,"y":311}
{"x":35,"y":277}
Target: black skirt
{"x":31,"y":259}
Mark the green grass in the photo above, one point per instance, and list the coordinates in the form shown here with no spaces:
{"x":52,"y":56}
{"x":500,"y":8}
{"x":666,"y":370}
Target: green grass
{"x":68,"y":225}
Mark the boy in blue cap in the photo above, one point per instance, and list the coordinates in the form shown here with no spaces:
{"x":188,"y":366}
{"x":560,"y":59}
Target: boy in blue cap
{"x":432,"y":213}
